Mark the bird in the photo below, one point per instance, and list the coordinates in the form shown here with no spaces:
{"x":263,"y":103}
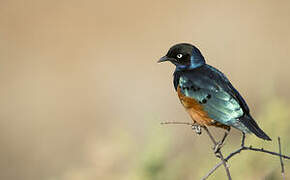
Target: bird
{"x":207,"y":94}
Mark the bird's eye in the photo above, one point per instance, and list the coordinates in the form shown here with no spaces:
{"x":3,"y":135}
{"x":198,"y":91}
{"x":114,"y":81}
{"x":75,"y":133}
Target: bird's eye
{"x":179,"y":56}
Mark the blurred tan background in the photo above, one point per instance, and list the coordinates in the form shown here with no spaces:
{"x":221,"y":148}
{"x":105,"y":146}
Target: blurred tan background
{"x":82,"y":96}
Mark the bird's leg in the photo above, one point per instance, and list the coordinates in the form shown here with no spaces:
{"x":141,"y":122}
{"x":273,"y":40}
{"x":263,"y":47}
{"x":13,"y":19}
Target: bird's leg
{"x":196,"y":127}
{"x":220,"y":144}
{"x":243,"y":139}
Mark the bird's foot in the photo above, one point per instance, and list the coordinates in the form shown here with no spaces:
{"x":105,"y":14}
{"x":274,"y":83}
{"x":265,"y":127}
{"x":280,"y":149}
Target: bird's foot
{"x":196,"y":128}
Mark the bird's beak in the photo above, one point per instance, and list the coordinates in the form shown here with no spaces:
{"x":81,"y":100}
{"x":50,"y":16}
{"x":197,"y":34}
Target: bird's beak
{"x":164,"y":58}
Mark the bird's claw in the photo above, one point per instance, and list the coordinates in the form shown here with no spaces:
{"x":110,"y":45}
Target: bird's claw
{"x":196,"y":128}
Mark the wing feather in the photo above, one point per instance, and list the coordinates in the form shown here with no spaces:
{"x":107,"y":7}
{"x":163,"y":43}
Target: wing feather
{"x":220,"y":105}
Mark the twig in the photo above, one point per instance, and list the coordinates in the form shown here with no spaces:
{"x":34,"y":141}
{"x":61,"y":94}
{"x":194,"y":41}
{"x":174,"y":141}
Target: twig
{"x":257,"y":150}
{"x":242,"y":148}
{"x":220,"y":163}
{"x":239,"y":150}
{"x":220,"y":155}
{"x":174,"y":122}
{"x":281,"y":160}
{"x":212,"y":170}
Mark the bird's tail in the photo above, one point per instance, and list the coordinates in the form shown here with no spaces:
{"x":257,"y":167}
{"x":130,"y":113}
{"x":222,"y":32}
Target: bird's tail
{"x":251,"y":124}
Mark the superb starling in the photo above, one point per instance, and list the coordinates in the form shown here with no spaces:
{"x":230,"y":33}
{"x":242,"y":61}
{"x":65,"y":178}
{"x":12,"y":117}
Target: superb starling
{"x":207,"y":94}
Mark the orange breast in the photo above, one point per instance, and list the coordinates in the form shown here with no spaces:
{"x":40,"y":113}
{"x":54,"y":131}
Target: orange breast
{"x":195,"y":110}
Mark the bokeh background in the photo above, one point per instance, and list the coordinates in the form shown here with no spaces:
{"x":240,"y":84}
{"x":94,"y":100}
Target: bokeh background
{"x":82,"y":96}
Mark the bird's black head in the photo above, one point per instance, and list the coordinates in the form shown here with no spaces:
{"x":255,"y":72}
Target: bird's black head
{"x":184,"y":56}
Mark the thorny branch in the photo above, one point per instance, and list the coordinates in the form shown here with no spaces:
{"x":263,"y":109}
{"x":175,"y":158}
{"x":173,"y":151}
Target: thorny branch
{"x":219,"y":153}
{"x":239,"y":150}
{"x":242,"y":148}
{"x":227,"y":158}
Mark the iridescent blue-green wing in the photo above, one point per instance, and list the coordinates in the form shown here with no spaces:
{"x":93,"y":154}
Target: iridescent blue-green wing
{"x":219,"y":98}
{"x":223,"y":81}
{"x":220,"y":105}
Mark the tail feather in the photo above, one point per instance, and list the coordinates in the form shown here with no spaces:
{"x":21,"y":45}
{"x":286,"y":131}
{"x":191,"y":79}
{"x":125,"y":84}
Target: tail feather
{"x":251,"y":124}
